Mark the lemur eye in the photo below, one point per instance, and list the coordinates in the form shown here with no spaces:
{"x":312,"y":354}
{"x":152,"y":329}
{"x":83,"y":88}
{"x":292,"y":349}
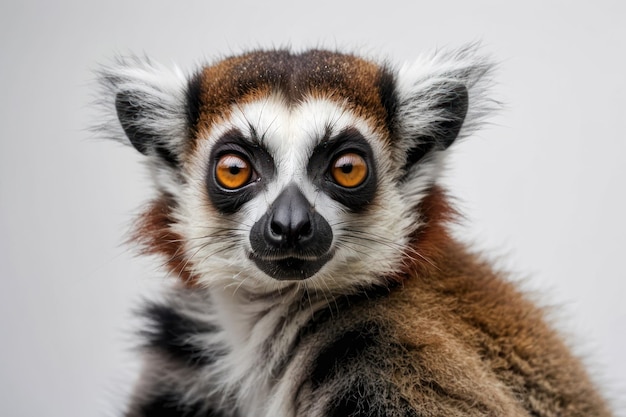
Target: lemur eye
{"x":349,"y":170}
{"x":233,"y":171}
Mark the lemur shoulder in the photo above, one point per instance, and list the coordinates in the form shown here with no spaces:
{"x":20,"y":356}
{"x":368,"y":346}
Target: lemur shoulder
{"x":298,"y":208}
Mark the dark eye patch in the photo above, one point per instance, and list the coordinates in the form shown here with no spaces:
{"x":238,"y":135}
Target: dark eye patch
{"x":320,"y":164}
{"x":226,"y":200}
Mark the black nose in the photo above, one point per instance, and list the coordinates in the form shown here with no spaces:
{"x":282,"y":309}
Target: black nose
{"x":291,"y":227}
{"x":290,"y":219}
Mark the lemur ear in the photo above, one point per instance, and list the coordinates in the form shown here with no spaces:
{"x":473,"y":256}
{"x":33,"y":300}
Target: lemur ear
{"x":450,"y":109}
{"x":135,"y":116}
{"x":151,"y":106}
{"x":440,"y":98}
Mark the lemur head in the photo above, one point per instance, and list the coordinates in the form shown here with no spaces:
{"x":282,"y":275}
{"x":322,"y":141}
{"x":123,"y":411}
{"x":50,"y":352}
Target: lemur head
{"x":276,"y":168}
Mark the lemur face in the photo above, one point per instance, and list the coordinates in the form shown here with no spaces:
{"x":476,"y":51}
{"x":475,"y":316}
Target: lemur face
{"x":298,"y":178}
{"x":297,"y":186}
{"x":277,"y":169}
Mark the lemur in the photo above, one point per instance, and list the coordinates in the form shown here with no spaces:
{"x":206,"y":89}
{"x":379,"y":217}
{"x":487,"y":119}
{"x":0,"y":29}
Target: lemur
{"x":298,"y":208}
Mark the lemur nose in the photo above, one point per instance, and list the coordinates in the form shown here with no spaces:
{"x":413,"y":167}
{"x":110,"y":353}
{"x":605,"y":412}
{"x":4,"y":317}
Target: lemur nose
{"x":290,"y":220}
{"x":292,"y":228}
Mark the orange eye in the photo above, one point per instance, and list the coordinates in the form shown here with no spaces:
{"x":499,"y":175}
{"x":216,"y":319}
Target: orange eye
{"x":232,"y":171}
{"x":349,"y":170}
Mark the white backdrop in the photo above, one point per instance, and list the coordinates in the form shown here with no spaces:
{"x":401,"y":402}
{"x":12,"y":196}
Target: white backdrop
{"x":543,"y":188}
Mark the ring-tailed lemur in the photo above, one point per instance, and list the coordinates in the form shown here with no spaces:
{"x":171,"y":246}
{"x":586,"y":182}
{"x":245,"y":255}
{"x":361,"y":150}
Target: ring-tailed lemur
{"x":298,"y":207}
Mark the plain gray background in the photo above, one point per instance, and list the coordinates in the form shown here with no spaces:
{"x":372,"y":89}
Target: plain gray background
{"x":542,"y":187}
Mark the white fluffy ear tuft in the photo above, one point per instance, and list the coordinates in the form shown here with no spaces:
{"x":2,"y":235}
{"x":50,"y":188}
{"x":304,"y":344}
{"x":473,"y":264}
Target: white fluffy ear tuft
{"x":440,"y":97}
{"x":145,"y":105}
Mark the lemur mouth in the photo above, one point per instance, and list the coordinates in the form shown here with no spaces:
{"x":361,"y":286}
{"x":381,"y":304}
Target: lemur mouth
{"x":290,"y":268}
{"x":291,"y":241}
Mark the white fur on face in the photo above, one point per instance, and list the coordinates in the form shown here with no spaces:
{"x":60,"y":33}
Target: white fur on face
{"x":367,"y":245}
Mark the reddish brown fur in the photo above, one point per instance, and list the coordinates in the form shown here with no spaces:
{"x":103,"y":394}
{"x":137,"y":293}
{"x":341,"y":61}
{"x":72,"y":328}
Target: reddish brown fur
{"x":345,"y":78}
{"x":155,"y":236}
{"x":428,"y":241}
{"x":478,"y":344}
